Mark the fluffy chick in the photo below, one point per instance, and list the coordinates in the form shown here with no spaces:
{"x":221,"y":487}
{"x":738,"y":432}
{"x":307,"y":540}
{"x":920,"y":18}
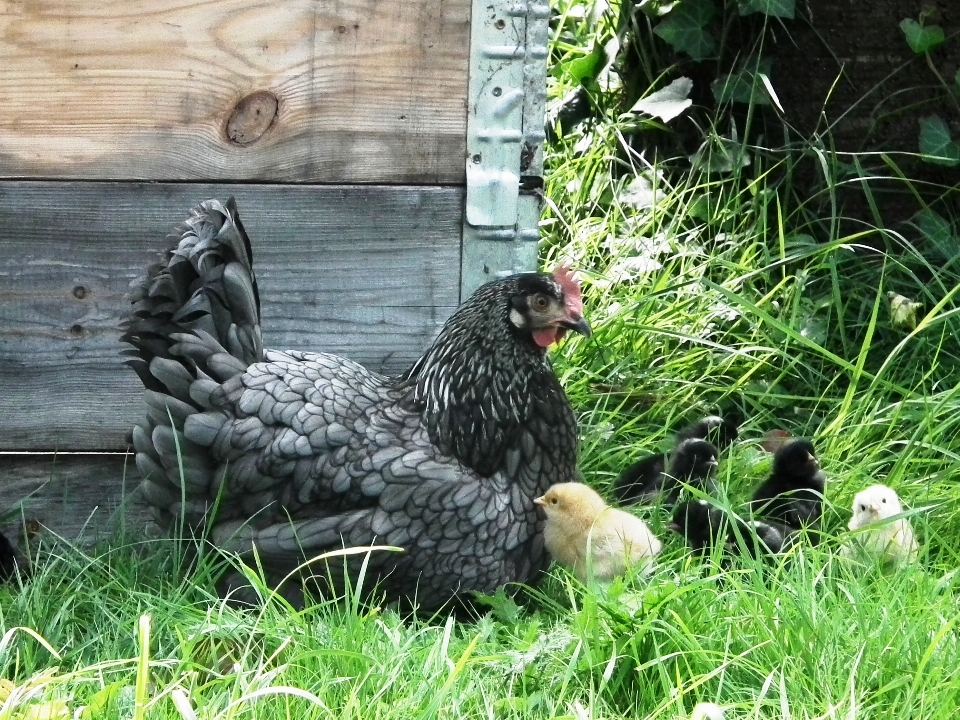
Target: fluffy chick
{"x":594,"y":540}
{"x":891,"y":542}
{"x":10,"y":563}
{"x":693,"y":462}
{"x":700,"y":523}
{"x":707,"y":711}
{"x":722,"y":432}
{"x":644,"y":480}
{"x":793,"y":494}
{"x":703,"y":526}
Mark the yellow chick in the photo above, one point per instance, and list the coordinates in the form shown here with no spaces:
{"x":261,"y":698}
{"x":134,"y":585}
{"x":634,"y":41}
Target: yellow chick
{"x":891,"y":542}
{"x":592,"y":539}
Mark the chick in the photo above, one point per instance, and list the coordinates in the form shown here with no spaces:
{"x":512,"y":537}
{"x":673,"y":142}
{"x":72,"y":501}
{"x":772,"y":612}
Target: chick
{"x":693,"y":462}
{"x":793,"y":494}
{"x":891,"y":542}
{"x":703,"y":526}
{"x":645,"y":480}
{"x":641,"y":481}
{"x":722,"y":432}
{"x":707,"y":711}
{"x":591,"y":538}
{"x":10,"y":562}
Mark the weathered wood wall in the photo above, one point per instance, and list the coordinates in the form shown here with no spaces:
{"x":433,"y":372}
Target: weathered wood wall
{"x":120,"y":115}
{"x":368,"y":272}
{"x":366,"y":91}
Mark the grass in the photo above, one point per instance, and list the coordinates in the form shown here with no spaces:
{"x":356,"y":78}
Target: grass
{"x":744,"y":291}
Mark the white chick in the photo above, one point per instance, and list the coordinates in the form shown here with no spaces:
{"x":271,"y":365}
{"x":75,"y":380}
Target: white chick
{"x":591,"y":538}
{"x":707,"y":711}
{"x":891,"y":542}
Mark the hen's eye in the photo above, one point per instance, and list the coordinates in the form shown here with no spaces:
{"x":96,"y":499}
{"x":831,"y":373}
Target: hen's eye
{"x":539,"y":302}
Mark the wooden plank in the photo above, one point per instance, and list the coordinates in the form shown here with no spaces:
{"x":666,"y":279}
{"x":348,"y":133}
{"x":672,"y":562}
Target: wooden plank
{"x":366,"y":90}
{"x":70,"y":496}
{"x":367,"y":272}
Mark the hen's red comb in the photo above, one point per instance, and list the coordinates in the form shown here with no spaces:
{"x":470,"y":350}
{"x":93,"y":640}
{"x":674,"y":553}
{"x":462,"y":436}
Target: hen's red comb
{"x":570,"y":284}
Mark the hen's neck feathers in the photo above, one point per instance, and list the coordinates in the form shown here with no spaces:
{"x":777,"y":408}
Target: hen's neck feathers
{"x":486,"y":391}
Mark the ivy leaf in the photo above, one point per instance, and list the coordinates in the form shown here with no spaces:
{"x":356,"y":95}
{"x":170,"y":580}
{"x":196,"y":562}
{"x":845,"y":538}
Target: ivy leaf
{"x":587,"y":66}
{"x":938,"y":230}
{"x":770,"y":8}
{"x":667,"y":102}
{"x":685,"y":28}
{"x":903,"y":311}
{"x":746,"y":86}
{"x":720,"y":154}
{"x":936,"y":143}
{"x":921,"y":38}
{"x":957,"y":78}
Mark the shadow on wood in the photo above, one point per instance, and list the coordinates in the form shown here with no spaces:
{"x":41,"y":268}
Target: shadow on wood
{"x":92,"y":496}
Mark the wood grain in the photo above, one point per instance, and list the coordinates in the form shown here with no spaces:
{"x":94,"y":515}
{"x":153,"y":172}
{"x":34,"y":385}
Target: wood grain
{"x":367,"y":272}
{"x":367,"y":90}
{"x":70,"y":496}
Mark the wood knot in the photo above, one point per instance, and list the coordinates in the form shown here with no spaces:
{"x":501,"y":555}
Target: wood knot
{"x":79,"y":292}
{"x":251,"y":117}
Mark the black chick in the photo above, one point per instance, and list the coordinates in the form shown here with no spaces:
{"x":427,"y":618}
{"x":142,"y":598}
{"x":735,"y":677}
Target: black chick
{"x":700,"y":523}
{"x":793,"y":494}
{"x":722,"y":432}
{"x":9,"y":562}
{"x":693,"y":462}
{"x":645,"y":479}
{"x":703,"y":526}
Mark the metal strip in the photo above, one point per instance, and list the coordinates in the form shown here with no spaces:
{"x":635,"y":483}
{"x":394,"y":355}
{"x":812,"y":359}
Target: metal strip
{"x":507,"y":91}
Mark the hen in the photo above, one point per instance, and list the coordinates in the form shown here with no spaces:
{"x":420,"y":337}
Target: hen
{"x":297,"y":453}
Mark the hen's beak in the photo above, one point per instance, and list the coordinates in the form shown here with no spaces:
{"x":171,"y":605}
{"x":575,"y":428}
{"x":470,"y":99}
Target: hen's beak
{"x":579,"y":324}
{"x":539,"y":501}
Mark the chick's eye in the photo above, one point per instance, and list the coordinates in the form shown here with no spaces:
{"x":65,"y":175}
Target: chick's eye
{"x":863,"y":508}
{"x":554,"y":501}
{"x":539,"y":302}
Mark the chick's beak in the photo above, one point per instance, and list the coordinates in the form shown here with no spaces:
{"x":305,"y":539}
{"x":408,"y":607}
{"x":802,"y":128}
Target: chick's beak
{"x":673,"y":527}
{"x":539,"y":501}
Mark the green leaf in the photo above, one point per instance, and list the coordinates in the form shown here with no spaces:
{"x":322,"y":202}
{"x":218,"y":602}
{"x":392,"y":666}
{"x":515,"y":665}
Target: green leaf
{"x":936,"y":143}
{"x":770,"y":8}
{"x":503,"y":607}
{"x":587,"y":66}
{"x":939,"y":232}
{"x":667,"y":102}
{"x":685,"y":28}
{"x":957,"y":78}
{"x":746,"y":86}
{"x":921,"y":38}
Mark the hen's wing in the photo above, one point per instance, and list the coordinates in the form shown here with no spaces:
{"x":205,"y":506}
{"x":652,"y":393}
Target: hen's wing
{"x":319,"y":455}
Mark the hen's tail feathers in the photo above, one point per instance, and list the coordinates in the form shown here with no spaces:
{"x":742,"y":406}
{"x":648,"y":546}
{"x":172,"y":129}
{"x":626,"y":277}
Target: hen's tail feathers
{"x":195,"y":324}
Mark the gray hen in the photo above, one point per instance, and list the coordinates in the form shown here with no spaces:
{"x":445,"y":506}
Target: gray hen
{"x":300,"y":453}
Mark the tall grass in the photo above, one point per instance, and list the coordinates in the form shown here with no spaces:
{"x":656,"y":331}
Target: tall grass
{"x":746,"y":292}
